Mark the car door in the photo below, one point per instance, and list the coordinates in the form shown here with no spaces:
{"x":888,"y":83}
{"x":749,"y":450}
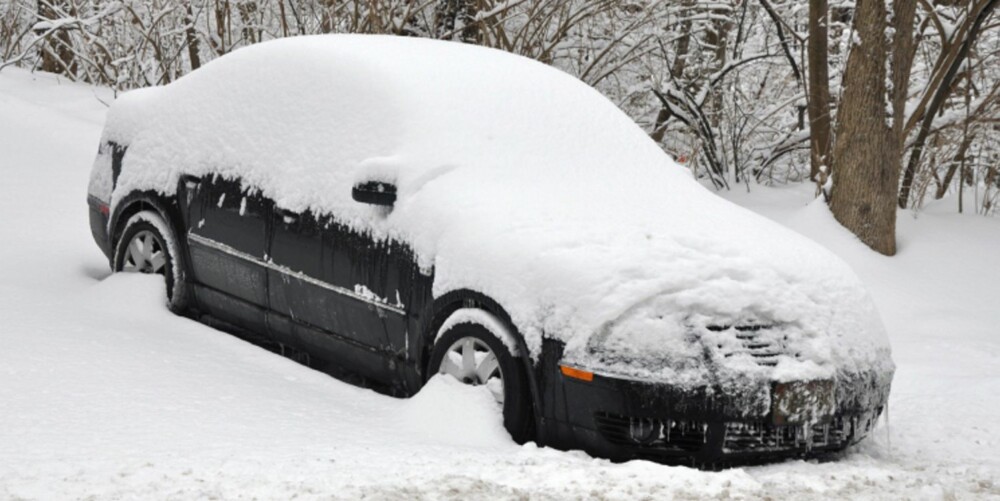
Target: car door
{"x":227,"y":240}
{"x":338,"y":294}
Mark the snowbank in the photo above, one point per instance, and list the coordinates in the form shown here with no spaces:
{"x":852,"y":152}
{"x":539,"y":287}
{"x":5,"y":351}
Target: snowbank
{"x":515,"y":180}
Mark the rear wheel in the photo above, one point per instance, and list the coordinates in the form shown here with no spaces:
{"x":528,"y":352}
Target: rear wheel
{"x":147,"y":245}
{"x":472,"y":354}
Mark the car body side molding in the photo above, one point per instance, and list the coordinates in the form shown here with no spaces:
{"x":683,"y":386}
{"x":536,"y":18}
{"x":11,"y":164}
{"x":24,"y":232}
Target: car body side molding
{"x":221,"y":247}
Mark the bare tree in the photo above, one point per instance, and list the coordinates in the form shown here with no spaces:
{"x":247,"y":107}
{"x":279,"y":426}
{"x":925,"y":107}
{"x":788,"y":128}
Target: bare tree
{"x":870,"y":122}
{"x":941,"y":86}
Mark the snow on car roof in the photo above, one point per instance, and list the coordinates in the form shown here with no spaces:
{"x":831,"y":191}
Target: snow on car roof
{"x":304,"y":117}
{"x":514,"y":179}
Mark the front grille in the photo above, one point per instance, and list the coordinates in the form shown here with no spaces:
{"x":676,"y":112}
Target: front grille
{"x":753,"y":437}
{"x":756,"y":340}
{"x":676,"y":435}
{"x":740,"y":437}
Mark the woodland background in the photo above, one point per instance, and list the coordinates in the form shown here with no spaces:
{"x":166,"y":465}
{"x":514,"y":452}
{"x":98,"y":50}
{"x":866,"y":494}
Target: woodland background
{"x":880,"y":103}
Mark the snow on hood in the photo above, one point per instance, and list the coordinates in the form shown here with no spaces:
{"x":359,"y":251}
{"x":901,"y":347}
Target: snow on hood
{"x":514,"y":179}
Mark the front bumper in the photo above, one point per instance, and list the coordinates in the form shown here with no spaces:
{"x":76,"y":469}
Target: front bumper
{"x":704,"y":426}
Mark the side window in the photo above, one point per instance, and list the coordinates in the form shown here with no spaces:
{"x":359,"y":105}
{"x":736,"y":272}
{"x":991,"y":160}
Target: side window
{"x":230,"y":197}
{"x":232,"y":215}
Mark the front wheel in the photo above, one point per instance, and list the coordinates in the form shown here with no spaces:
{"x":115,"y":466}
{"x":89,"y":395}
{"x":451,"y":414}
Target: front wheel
{"x":147,"y":245}
{"x":472,"y":354}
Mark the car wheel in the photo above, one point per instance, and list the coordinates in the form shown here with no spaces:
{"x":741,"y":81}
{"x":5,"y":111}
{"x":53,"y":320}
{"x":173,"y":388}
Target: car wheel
{"x":148,"y":245}
{"x":472,"y":354}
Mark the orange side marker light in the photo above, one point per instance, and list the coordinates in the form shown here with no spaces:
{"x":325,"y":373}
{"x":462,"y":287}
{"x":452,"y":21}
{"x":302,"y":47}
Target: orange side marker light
{"x":582,"y":375}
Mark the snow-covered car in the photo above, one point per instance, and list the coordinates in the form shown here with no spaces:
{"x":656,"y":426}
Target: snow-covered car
{"x":395,"y":208}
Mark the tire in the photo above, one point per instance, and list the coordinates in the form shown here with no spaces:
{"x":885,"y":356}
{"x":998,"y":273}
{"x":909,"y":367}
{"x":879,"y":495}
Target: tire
{"x":148,"y":245}
{"x":515,"y":396}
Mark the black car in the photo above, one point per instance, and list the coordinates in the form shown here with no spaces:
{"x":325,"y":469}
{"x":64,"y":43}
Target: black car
{"x":335,"y":199}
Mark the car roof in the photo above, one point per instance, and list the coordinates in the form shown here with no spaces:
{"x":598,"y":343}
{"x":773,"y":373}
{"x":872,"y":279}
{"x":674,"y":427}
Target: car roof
{"x":301,"y":118}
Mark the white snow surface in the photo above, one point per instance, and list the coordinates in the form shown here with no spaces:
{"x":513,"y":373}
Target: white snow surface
{"x":514,"y":180}
{"x":105,"y":395}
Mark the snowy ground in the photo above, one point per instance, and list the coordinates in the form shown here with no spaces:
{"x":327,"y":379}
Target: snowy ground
{"x":104,"y":394}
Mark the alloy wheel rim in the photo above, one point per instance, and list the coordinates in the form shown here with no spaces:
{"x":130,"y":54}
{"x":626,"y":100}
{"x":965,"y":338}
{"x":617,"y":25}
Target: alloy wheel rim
{"x":471,"y":361}
{"x":145,"y":254}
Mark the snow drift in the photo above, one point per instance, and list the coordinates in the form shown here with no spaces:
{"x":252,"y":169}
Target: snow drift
{"x":515,"y":180}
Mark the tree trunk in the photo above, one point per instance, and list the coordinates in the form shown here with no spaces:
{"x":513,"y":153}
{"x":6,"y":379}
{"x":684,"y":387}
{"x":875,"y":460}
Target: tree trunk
{"x":868,"y":148}
{"x":191,"y":37}
{"x":676,"y":74}
{"x":57,"y":49}
{"x":221,"y":32}
{"x":819,"y":92}
{"x":949,"y":175}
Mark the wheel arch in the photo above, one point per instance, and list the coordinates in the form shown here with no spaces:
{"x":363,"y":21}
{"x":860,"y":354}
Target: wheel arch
{"x":137,"y":201}
{"x":451,"y":302}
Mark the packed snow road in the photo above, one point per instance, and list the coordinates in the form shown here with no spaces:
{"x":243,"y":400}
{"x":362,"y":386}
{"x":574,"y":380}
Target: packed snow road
{"x":104,"y":394}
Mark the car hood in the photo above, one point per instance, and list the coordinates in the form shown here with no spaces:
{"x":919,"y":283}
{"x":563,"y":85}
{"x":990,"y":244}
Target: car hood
{"x":648,"y":276}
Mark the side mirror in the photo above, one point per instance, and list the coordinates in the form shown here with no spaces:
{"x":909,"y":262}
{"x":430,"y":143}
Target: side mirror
{"x":375,"y":193}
